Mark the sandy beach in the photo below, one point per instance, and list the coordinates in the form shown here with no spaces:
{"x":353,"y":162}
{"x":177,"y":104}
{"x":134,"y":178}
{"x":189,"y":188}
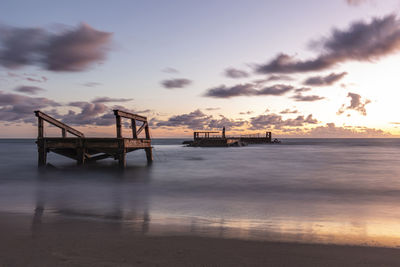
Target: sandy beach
{"x":78,"y":242}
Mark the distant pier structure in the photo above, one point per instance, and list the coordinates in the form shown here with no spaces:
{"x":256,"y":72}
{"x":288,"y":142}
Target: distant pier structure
{"x":85,"y":150}
{"x":219,"y":139}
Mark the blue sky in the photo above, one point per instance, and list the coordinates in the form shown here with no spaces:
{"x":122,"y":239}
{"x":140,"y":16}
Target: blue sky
{"x":200,"y":39}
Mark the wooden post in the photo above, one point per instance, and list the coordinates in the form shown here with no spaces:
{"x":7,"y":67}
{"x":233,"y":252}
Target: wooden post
{"x":40,"y":127}
{"x":42,"y":153}
{"x":269,"y":136}
{"x":149,"y":155}
{"x":134,"y":133}
{"x":64,"y":133}
{"x":122,"y":159}
{"x":118,"y":121}
{"x":80,"y":152}
{"x":147,"y":131}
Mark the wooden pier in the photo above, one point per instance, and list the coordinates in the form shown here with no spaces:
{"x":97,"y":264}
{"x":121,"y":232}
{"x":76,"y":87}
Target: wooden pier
{"x":218,"y":139}
{"x":85,"y":150}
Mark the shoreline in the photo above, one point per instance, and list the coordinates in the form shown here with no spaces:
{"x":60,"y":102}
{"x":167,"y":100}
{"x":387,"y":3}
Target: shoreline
{"x":76,"y":242}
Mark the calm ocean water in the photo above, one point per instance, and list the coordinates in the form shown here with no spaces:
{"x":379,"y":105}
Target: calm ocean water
{"x":343,"y":191}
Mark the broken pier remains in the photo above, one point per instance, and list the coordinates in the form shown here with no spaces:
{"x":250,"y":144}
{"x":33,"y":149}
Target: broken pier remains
{"x":218,"y":139}
{"x":85,"y":150}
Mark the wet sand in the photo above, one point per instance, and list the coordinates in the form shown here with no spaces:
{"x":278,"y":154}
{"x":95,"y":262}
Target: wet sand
{"x":27,"y":241}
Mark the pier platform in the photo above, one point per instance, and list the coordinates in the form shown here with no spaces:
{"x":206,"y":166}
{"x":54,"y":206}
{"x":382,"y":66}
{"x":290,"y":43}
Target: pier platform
{"x":85,"y":150}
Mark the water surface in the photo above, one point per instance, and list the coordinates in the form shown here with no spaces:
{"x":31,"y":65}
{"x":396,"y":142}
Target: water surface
{"x":341,"y":191}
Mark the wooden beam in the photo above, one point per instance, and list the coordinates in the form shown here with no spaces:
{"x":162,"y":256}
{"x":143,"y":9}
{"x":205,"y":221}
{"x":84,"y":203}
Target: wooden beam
{"x":57,"y":123}
{"x":128,"y":115}
{"x":99,"y":157}
{"x":133,"y":126}
{"x":141,"y":128}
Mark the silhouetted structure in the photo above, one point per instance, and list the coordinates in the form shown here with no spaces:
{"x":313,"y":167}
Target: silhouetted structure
{"x":83,"y":149}
{"x":215,"y":139}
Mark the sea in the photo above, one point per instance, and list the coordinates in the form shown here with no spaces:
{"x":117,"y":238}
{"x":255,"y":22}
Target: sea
{"x":329,"y":191}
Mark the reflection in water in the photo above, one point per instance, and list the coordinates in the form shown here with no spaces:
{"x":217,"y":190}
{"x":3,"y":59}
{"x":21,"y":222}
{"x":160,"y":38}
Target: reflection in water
{"x":344,"y":192}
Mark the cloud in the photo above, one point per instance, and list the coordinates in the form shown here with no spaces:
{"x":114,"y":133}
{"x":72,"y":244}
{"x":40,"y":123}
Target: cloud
{"x":330,"y":130}
{"x":170,"y":70}
{"x":198,"y":120}
{"x":362,"y":41}
{"x":302,"y":90}
{"x":288,"y":111}
{"x":195,"y":120}
{"x":70,"y":50}
{"x":16,"y":77}
{"x":31,"y":90}
{"x":91,"y":84}
{"x":212,"y":109}
{"x":19,"y":108}
{"x":276,"y":90}
{"x":306,"y":98}
{"x":235,"y":73}
{"x":176,"y":83}
{"x":279,"y":78}
{"x":247,"y":89}
{"x":356,"y":104}
{"x":324,"y":80}
{"x":356,"y":2}
{"x":227,"y":92}
{"x":109,"y":99}
{"x":246,"y":112}
{"x":89,"y":114}
{"x":277,"y":122}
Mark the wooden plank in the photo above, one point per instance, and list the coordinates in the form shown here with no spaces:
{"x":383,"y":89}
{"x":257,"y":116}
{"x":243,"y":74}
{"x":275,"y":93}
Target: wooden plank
{"x":128,"y":115}
{"x":58,"y":124}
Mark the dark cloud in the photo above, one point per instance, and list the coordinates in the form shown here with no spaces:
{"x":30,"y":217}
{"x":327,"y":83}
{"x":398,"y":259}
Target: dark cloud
{"x":70,"y":50}
{"x":194,"y":120}
{"x":19,"y":108}
{"x":236,"y":73}
{"x":288,"y":111}
{"x":277,"y":122}
{"x":109,"y":99}
{"x":198,"y":120}
{"x":176,"y":83}
{"x":279,"y":78}
{"x":89,"y":114}
{"x":362,"y":41}
{"x":307,"y":98}
{"x":32,"y":90}
{"x":277,"y":90}
{"x":302,"y":90}
{"x":247,"y":89}
{"x":227,"y":92}
{"x":356,"y":103}
{"x":324,"y":80}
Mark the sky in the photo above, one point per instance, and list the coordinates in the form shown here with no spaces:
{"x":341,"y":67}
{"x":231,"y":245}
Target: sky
{"x":306,"y":68}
